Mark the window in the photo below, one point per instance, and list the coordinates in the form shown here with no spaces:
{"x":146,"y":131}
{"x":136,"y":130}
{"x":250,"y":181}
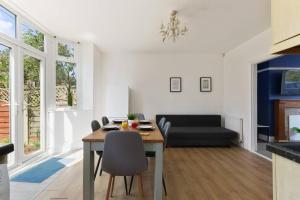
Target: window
{"x":7,"y":22}
{"x":32,"y":37}
{"x":66,"y":94}
{"x":65,"y":50}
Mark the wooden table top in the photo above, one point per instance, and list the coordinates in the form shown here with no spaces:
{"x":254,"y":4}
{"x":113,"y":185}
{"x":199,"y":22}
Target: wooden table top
{"x":155,"y":136}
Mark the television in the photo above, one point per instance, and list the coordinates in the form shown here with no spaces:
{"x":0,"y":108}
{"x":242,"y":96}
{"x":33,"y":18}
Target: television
{"x":290,"y":85}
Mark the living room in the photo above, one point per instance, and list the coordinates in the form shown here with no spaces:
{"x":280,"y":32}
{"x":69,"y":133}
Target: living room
{"x":180,"y":74}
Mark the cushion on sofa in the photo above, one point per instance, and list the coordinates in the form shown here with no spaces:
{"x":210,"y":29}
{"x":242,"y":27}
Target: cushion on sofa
{"x":192,"y":120}
{"x":201,"y":133}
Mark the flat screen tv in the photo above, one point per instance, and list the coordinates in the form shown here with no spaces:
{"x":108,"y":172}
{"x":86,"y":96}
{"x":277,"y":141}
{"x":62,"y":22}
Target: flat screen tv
{"x":290,"y":84}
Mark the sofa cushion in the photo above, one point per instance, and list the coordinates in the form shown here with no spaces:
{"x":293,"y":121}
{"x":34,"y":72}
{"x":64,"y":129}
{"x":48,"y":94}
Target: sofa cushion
{"x":195,"y":133}
{"x":192,"y":120}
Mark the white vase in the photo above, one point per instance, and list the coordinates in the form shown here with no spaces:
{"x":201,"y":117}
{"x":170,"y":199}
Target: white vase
{"x":130,"y":123}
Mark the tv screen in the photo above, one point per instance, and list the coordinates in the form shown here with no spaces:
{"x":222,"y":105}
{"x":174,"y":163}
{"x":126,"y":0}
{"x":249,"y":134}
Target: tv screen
{"x":290,"y":82}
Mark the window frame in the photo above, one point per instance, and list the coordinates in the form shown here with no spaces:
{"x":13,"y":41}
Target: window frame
{"x":16,"y":21}
{"x":74,"y":60}
{"x":18,"y":41}
{"x":20,"y":36}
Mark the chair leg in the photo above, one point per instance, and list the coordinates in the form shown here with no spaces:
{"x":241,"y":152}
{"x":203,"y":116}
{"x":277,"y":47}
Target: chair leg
{"x":140,"y":185}
{"x":112,"y":186}
{"x":109,"y":186}
{"x":125,"y":181}
{"x":131,"y":181}
{"x":97,"y":167}
{"x":164,"y":185}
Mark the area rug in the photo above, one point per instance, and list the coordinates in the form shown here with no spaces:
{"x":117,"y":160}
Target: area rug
{"x":40,"y":172}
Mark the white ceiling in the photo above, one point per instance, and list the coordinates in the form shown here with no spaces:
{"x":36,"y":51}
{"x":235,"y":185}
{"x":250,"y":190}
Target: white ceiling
{"x":215,"y":26}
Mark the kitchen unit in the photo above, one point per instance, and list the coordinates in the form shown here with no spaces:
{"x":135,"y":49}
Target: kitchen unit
{"x":286,"y":170}
{"x":285,"y":26}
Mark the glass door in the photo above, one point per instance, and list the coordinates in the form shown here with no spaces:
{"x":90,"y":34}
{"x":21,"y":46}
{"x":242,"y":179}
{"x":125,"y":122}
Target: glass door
{"x":32,"y":99}
{"x":7,"y":96}
{"x":4,"y":94}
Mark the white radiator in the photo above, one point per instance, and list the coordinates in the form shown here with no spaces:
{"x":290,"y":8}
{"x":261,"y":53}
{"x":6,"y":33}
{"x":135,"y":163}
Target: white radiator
{"x":236,"y":124}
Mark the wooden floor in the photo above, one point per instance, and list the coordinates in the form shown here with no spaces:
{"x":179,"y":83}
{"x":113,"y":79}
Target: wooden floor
{"x":191,"y":173}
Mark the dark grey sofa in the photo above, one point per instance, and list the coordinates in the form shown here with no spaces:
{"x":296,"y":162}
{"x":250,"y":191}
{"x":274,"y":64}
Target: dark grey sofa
{"x":197,"y":130}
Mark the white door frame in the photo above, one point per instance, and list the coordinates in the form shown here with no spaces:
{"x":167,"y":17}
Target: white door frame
{"x":254,"y":100}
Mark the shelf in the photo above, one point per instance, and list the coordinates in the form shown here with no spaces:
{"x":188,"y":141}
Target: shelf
{"x":282,"y":97}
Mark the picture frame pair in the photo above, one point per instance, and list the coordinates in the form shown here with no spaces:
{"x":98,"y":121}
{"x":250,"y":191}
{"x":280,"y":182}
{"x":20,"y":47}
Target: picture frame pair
{"x":205,"y":84}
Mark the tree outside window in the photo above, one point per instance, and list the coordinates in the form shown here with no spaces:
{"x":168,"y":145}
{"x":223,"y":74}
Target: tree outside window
{"x":65,"y":84}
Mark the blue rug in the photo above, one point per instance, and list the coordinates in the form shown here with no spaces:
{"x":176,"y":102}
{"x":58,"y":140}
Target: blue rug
{"x":40,"y":172}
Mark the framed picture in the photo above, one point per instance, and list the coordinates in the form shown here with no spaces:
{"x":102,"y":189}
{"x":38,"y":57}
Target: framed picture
{"x":175,"y":84}
{"x":205,"y":84}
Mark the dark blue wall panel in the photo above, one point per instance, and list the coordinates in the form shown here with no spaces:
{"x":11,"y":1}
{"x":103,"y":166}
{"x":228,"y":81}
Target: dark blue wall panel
{"x":269,"y":88}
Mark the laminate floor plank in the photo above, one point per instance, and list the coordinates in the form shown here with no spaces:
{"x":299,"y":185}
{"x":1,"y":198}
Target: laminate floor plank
{"x":190,"y":174}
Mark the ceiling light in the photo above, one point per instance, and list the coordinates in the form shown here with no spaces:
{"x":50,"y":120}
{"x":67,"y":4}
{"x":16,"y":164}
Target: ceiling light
{"x":173,"y":30}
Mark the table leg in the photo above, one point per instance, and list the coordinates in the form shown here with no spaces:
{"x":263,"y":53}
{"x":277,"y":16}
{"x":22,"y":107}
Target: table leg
{"x":158,"y":171}
{"x":88,"y":172}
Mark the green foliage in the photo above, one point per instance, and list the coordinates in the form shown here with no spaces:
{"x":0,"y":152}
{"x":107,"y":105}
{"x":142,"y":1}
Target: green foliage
{"x":65,"y":75}
{"x":70,"y":97}
{"x":65,"y":50}
{"x":296,"y":129}
{"x":33,"y":38}
{"x":4,"y":68}
{"x":131,"y":116}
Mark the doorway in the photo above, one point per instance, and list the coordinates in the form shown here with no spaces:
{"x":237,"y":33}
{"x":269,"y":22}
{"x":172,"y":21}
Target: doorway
{"x":274,"y":81}
{"x":22,"y":107}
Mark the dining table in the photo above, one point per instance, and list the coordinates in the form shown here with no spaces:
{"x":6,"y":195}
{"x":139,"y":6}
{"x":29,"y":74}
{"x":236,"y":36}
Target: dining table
{"x":152,"y":140}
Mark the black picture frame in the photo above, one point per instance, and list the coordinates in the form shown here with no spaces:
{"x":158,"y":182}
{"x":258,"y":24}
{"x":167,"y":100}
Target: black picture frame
{"x":205,"y":84}
{"x":175,"y":84}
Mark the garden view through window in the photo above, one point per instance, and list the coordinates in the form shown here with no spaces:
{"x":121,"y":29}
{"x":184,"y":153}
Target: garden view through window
{"x":32,"y":37}
{"x":65,"y":50}
{"x":31,"y":104}
{"x":65,"y":84}
{"x":4,"y":95}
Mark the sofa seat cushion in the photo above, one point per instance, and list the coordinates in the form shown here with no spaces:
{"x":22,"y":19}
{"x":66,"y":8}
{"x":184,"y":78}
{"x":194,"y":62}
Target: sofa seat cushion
{"x":194,"y":133}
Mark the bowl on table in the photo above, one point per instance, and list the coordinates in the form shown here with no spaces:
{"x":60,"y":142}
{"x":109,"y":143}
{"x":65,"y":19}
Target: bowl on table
{"x":110,"y":128}
{"x":117,"y":121}
{"x":146,"y":127}
{"x":145,"y":122}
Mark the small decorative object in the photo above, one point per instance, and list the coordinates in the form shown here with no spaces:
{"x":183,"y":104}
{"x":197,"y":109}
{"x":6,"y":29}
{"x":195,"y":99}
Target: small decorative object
{"x":175,"y":84}
{"x":205,"y":84}
{"x":134,"y":124}
{"x":130,"y":117}
{"x":124,"y":124}
{"x":173,"y":29}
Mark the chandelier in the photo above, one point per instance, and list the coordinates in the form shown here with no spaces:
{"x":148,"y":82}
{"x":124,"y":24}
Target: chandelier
{"x":173,"y":29}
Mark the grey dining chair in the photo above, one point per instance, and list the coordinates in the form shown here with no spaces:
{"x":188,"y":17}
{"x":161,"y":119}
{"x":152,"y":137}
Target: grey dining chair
{"x":161,"y":123}
{"x":96,"y":126}
{"x":151,"y":154}
{"x":123,"y":156}
{"x":140,"y":116}
{"x":105,"y":121}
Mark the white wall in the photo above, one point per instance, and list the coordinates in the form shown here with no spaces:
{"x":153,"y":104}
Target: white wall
{"x":147,"y":75}
{"x":66,"y":127}
{"x":238,"y":64}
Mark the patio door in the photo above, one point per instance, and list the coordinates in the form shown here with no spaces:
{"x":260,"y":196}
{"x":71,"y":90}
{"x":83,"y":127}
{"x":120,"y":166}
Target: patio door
{"x":32,"y":115}
{"x":8,"y":108}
